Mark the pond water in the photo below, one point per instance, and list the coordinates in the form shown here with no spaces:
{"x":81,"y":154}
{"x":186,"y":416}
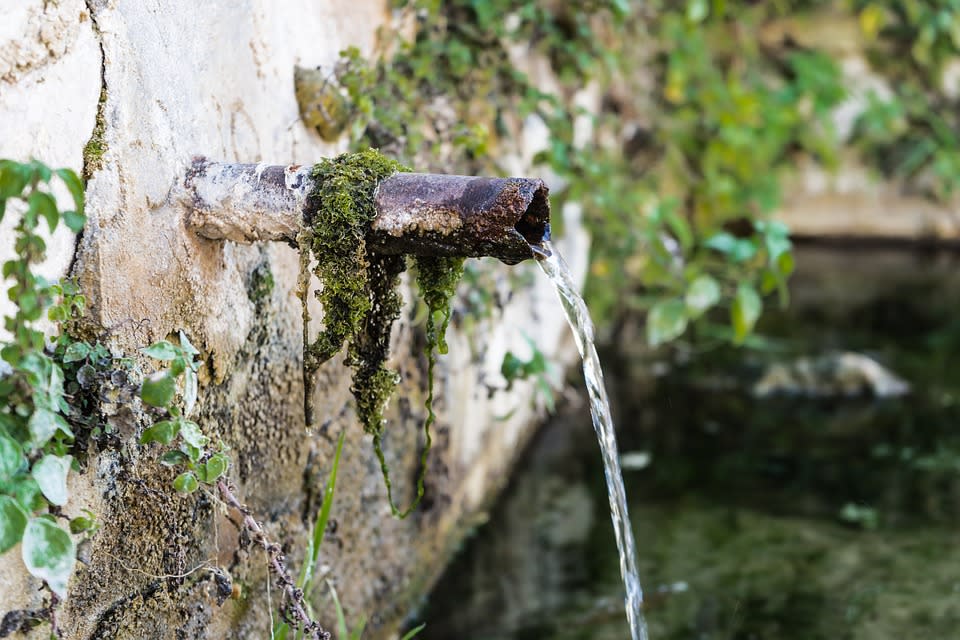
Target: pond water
{"x":791,"y":517}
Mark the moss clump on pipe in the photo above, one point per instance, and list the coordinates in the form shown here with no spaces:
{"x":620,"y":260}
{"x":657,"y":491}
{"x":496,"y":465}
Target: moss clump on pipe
{"x":359,"y":294}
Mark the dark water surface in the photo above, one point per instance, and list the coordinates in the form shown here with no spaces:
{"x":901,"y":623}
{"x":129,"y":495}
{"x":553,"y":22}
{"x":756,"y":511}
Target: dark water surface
{"x":793,"y":517}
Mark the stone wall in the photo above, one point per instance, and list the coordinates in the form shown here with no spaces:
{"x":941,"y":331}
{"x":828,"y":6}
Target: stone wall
{"x":144,"y":86}
{"x":852,"y":200}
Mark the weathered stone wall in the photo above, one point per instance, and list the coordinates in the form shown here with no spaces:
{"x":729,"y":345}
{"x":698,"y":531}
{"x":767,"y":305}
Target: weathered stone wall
{"x":152,"y":84}
{"x":853,"y":201}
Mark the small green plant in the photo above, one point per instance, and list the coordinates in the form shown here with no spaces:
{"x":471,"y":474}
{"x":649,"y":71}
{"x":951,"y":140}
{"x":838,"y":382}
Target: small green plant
{"x":911,"y":134}
{"x":536,"y":368}
{"x":160,"y":390}
{"x":35,"y":436}
{"x":728,"y":124}
{"x":306,"y":582}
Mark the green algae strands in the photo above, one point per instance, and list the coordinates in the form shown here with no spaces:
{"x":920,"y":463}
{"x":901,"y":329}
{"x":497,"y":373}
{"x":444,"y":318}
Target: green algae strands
{"x":416,"y":213}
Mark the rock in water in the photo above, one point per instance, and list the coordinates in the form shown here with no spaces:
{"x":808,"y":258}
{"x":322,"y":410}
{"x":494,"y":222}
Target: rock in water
{"x":831,"y":375}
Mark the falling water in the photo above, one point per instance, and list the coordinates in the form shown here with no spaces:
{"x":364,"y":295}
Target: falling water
{"x":579,"y":318}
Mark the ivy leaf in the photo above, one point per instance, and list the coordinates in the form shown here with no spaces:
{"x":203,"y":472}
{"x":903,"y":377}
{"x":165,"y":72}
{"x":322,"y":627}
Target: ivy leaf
{"x":13,"y":520}
{"x":703,"y":293}
{"x":512,"y":367}
{"x":173,"y":458}
{"x":13,"y":179}
{"x":42,"y":425}
{"x":11,"y":457}
{"x":44,"y":204}
{"x":75,"y":186}
{"x":162,"y":350}
{"x":50,"y":472}
{"x":186,"y":483}
{"x":74,"y":221}
{"x":739,"y":249}
{"x":158,"y":389}
{"x":666,"y":321}
{"x":163,"y":432}
{"x":76,"y":351}
{"x":215,"y":467}
{"x":81,"y":524}
{"x":777,"y":246}
{"x":186,"y":345}
{"x":747,"y":306}
{"x":190,"y":431}
{"x":48,"y":553}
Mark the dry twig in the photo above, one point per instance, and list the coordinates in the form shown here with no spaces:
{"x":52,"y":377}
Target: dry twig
{"x":295,"y":609}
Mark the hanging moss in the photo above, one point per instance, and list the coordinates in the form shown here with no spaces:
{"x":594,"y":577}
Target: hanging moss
{"x":359,"y":295}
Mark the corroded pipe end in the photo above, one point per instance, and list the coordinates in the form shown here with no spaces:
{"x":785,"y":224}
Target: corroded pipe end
{"x":432,"y":214}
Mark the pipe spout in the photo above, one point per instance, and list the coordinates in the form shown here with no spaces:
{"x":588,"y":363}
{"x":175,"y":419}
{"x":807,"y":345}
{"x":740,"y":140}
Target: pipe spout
{"x":446,"y":215}
{"x":416,"y":213}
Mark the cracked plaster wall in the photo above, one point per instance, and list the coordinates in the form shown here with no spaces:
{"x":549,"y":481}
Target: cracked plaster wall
{"x":216,"y":78}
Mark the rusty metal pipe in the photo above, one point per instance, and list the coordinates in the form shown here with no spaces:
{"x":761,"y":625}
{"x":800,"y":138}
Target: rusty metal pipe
{"x":417,"y":213}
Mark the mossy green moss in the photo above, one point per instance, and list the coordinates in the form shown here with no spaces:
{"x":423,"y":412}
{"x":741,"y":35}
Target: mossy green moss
{"x":96,"y":146}
{"x":359,"y":294}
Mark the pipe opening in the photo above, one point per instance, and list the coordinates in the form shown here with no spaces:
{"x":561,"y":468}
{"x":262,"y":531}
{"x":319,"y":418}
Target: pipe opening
{"x":534,"y":224}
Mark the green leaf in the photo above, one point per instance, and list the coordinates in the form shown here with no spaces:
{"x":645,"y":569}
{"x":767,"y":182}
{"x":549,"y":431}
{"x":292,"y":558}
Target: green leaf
{"x":409,"y":635}
{"x":215,"y":467}
{"x":512,"y":367}
{"x":75,"y":186}
{"x":747,"y":306}
{"x":81,"y":524}
{"x":323,"y":516}
{"x":697,"y":10}
{"x":186,"y":483}
{"x":666,"y":321}
{"x":703,"y":293}
{"x":186,"y":345}
{"x":76,"y":351}
{"x":785,"y":264}
{"x":162,"y":350}
{"x":13,"y":520}
{"x":192,"y":435}
{"x":48,"y":553}
{"x":739,"y":249}
{"x":177,"y":366}
{"x":43,"y":424}
{"x":777,"y":246}
{"x":74,"y":221}
{"x":163,"y":432}
{"x":27,"y":494}
{"x":11,"y":458}
{"x":723,"y":242}
{"x":173,"y":458}
{"x":158,"y":389}
{"x":50,"y":472}
{"x":13,"y":179}
{"x":44,"y":205}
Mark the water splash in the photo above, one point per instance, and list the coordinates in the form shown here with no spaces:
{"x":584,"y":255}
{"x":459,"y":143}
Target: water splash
{"x":578,"y":316}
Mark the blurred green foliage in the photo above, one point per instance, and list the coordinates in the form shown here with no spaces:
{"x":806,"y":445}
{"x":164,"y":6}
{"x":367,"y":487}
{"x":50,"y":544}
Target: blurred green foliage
{"x":682,"y":171}
{"x":913,"y":133}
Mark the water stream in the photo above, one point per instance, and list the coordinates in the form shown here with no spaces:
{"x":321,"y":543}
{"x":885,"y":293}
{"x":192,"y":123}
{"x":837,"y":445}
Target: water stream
{"x":792,"y":517}
{"x":578,"y":316}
